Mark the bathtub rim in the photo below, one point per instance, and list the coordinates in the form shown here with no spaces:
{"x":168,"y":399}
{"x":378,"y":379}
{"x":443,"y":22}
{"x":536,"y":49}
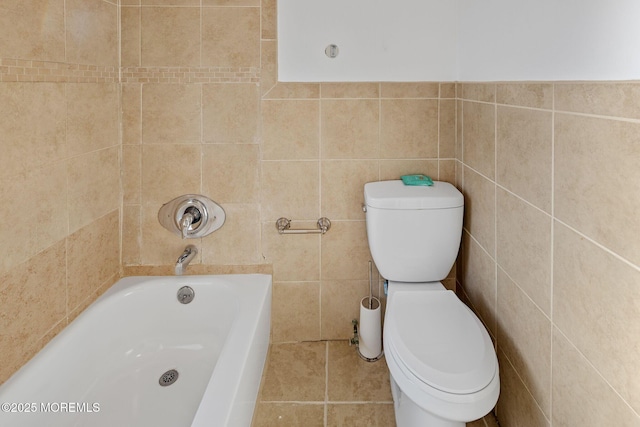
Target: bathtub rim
{"x":216,"y":400}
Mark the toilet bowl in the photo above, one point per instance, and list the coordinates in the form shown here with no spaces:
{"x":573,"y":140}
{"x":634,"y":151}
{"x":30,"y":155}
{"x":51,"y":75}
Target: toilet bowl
{"x":443,"y":366}
{"x":444,"y":370}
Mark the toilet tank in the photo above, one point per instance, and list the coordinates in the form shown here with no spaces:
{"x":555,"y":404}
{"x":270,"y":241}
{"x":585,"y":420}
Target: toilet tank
{"x":413,"y":231}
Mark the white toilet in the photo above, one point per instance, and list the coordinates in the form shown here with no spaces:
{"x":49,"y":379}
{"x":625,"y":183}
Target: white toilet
{"x":444,"y":370}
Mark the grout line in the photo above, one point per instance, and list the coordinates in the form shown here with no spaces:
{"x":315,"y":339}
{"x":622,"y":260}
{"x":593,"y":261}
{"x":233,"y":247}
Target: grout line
{"x":67,"y":201}
{"x":479,"y":244}
{"x":121,"y":159}
{"x":362,"y":402}
{"x":350,"y":98}
{"x":64,"y":25}
{"x":526,"y":387}
{"x":439,"y":117}
{"x":553,"y":234}
{"x":599,"y":245}
{"x":379,"y":145}
{"x":460,"y":155}
{"x":294,"y":402}
{"x":319,"y":402}
{"x":524,"y":292}
{"x":495,"y":208}
{"x":187,"y":6}
{"x":502,"y":187}
{"x":595,"y":369}
{"x":202,"y":143}
{"x":326,"y":383}
{"x":355,"y":159}
{"x":140,"y":145}
{"x":598,"y":116}
{"x":139,"y":39}
{"x":319,"y":161}
{"x":553,"y":109}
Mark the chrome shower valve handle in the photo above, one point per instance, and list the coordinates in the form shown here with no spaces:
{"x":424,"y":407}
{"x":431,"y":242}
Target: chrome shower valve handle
{"x":191,"y":216}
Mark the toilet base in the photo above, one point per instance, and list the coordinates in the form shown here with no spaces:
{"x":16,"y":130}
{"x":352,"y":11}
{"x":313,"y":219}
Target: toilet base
{"x":408,"y":414}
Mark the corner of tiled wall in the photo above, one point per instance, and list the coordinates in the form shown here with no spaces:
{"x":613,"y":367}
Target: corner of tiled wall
{"x":549,"y":173}
{"x":321,"y":143}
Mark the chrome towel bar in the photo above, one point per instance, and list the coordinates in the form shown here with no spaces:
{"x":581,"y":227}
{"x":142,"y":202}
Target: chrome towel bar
{"x":284,"y":227}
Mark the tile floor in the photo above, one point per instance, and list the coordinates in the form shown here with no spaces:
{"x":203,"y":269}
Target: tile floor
{"x":326,"y":384}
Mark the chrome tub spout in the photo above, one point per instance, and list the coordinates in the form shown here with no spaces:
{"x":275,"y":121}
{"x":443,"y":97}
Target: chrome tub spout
{"x":183,"y":260}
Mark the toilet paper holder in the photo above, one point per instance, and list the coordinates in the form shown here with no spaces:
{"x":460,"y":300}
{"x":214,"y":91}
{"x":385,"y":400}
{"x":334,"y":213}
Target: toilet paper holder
{"x":368,"y":340}
{"x":356,"y":341}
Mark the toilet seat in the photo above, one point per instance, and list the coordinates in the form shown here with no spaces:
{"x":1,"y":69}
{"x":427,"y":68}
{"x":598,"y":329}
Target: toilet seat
{"x":439,"y":342}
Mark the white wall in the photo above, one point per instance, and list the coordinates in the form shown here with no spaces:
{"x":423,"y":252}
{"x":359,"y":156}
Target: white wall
{"x":465,"y":40}
{"x":549,"y":40}
{"x":379,"y":40}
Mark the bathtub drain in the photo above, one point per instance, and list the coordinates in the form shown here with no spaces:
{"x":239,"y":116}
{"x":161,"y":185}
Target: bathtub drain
{"x":168,"y":378}
{"x":186,"y":294}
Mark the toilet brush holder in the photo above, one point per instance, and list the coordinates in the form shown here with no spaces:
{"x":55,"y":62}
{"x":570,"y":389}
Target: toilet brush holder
{"x":370,"y":329}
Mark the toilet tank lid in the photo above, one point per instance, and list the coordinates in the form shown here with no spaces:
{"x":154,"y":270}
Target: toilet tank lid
{"x":395,"y":195}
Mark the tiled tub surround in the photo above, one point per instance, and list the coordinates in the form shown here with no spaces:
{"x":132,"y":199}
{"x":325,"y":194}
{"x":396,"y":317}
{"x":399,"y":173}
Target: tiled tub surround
{"x":296,"y":164}
{"x":60,"y":168}
{"x":266,"y":150}
{"x":550,"y":255}
{"x":556,"y":291}
{"x":301,"y":157}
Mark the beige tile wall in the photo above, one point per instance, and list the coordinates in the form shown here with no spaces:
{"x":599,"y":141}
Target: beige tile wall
{"x":60,"y":191}
{"x":264,"y":150}
{"x":550,"y":258}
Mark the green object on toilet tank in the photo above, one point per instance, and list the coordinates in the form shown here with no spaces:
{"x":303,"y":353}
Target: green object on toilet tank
{"x":417,"y":179}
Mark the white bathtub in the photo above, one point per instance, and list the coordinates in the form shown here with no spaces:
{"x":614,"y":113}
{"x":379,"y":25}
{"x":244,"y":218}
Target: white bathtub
{"x":103,"y":369}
